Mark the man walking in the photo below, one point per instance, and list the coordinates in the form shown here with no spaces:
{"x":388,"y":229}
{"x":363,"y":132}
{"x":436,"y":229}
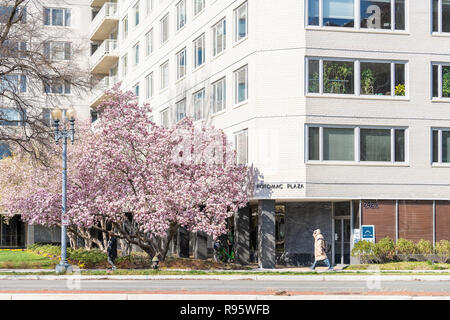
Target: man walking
{"x":319,"y":250}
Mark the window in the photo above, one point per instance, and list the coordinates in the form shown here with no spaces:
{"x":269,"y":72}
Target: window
{"x":181,"y":14}
{"x":136,"y":90}
{"x":441,"y":145}
{"x":57,"y":87}
{"x":149,"y":43}
{"x":219,"y":37}
{"x":357,"y":144}
{"x":199,"y":105}
{"x":149,"y":86}
{"x":57,"y":50}
{"x":441,"y":80}
{"x":164,"y":75}
{"x":240,"y":22}
{"x":181,"y":64}
{"x":198,"y":6}
{"x":125,"y":27}
{"x":149,"y":6}
{"x":124,"y":65}
{"x":136,"y":54}
{"x":57,"y":17}
{"x":46,"y":117}
{"x":373,"y":14}
{"x":164,"y":29}
{"x":241,"y":85}
{"x":14,"y":83}
{"x":199,"y":51}
{"x":136,"y":13}
{"x":4,"y":149}
{"x":10,"y":117}
{"x":441,"y":16}
{"x":218,"y":96}
{"x":381,"y":78}
{"x":241,"y":144}
{"x":13,"y":49}
{"x":181,"y":110}
{"x":165,"y":118}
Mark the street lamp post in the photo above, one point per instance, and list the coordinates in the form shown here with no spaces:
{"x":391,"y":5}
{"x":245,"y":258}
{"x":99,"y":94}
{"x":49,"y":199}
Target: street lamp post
{"x":64,"y":133}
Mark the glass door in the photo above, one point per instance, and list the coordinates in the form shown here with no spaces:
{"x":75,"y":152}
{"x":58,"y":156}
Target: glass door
{"x":342,"y":233}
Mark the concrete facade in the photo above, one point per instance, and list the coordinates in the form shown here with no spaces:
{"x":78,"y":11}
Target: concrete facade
{"x":279,"y":109}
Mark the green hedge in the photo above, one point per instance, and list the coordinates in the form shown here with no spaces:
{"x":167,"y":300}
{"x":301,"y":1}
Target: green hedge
{"x":387,"y":250}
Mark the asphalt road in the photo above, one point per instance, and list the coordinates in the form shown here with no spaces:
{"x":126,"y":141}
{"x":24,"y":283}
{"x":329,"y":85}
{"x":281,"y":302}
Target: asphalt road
{"x":227,"y":286}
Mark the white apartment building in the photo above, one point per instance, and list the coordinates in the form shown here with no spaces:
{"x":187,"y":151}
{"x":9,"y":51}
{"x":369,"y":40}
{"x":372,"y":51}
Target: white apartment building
{"x":64,"y":24}
{"x":341,"y":106}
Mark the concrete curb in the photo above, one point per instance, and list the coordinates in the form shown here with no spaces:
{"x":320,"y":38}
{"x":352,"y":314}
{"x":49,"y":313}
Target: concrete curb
{"x":234,"y":277}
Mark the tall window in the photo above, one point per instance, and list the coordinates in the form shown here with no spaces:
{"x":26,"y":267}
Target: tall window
{"x":9,"y":117}
{"x":164,"y":23}
{"x":373,"y":14}
{"x":125,"y":27}
{"x":136,"y":54}
{"x":20,"y":14}
{"x":149,"y":6}
{"x":181,"y":110}
{"x":219,"y":37}
{"x":181,"y":14}
{"x":181,"y":64}
{"x":241,"y":85}
{"x":241,"y":145}
{"x":57,"y":17}
{"x":199,"y":105}
{"x":380,"y":78}
{"x":241,"y":22}
{"x":441,"y":80}
{"x":136,"y":90}
{"x":57,"y":87}
{"x":199,"y":51}
{"x":165,"y":118}
{"x":441,"y":145}
{"x":198,"y":6}
{"x":357,"y":144}
{"x":149,"y":86}
{"x":4,"y":148}
{"x":14,"y":83}
{"x":149,"y":43}
{"x":164,"y":75}
{"x":441,"y":15}
{"x":136,"y":13}
{"x":124,"y":65}
{"x":218,"y":95}
{"x":57,"y":50}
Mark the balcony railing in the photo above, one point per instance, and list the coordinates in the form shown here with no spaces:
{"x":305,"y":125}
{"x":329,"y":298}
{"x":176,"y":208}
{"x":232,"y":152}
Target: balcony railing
{"x":104,"y":21}
{"x":98,"y":91}
{"x":97,"y":3}
{"x":108,"y":49}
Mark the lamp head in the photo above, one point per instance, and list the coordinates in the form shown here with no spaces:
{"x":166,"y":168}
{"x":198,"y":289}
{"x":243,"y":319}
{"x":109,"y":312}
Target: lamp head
{"x":71,"y":114}
{"x":56,"y":114}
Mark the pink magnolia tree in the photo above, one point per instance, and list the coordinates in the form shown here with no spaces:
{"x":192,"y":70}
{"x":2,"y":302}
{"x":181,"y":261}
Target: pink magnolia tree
{"x":138,"y":181}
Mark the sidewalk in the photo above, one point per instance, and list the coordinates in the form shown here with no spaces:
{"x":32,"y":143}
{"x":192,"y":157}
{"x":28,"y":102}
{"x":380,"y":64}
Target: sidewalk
{"x":320,"y":276}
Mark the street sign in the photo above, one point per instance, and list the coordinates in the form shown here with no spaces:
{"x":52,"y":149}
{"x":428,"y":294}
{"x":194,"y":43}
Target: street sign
{"x":368,"y":233}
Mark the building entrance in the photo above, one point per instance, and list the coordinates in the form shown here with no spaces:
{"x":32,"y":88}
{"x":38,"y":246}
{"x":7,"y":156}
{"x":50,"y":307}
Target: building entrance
{"x":341,"y":226}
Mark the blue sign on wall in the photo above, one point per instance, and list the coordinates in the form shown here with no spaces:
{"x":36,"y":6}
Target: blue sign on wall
{"x":368,"y":233}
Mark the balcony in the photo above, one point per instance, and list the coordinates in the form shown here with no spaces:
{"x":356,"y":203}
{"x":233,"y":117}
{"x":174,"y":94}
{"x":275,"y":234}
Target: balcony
{"x":106,"y":55}
{"x":104,"y":22}
{"x":97,"y":3}
{"x":98,"y":91}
